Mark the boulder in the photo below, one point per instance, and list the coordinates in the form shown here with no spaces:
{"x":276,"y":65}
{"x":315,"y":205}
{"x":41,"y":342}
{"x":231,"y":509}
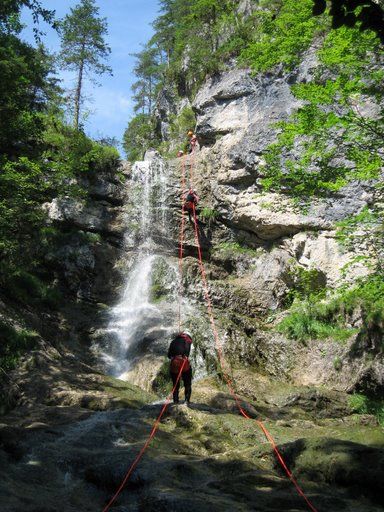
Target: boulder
{"x":97,"y":217}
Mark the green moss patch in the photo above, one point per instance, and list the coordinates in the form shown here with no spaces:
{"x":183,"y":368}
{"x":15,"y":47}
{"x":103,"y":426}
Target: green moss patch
{"x":126,"y":394}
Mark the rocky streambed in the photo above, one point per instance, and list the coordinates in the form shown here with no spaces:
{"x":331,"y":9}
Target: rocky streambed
{"x":70,"y":444}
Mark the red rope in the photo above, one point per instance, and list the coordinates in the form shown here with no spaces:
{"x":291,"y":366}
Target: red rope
{"x":147,"y":443}
{"x":226,"y":375}
{"x":191,"y":164}
{"x":181,"y":239}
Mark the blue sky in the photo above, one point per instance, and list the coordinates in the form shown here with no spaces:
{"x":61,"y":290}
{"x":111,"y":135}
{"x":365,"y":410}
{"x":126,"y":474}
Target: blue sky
{"x":129,"y":26}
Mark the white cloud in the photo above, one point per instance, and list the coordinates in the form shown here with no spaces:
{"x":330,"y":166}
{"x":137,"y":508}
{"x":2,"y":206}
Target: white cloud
{"x":110,"y":111}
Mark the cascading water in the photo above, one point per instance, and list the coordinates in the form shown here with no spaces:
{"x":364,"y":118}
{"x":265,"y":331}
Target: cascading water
{"x":138,"y":321}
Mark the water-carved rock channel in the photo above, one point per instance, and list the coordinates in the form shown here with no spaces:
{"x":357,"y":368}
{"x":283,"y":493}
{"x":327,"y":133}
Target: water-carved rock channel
{"x":70,"y":451}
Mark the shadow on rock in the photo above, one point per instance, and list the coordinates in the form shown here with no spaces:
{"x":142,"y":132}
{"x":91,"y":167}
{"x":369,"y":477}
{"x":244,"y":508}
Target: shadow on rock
{"x":353,"y":466}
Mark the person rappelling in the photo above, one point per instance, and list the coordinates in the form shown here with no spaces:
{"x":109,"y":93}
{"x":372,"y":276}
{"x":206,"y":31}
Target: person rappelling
{"x":178,"y":353}
{"x":192,"y":141}
{"x":191,"y":201}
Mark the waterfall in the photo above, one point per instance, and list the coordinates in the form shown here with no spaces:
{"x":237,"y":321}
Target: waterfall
{"x":141,"y":321}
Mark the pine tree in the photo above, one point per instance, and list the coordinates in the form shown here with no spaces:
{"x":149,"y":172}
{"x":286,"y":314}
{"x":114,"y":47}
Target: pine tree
{"x":148,"y":71}
{"x":83,"y":48}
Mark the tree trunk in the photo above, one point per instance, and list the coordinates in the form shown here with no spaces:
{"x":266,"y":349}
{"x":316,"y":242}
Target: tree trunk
{"x":78,"y":94}
{"x":150,"y":96}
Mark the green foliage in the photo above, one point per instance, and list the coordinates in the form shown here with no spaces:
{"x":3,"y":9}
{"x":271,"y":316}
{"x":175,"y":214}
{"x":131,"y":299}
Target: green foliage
{"x":304,"y":283}
{"x":148,"y":71}
{"x":176,"y":58}
{"x":24,"y":89}
{"x":31,"y":170}
{"x":28,"y":289}
{"x":328,"y":142}
{"x":83,"y":48}
{"x":208,"y":213}
{"x":139,"y":136}
{"x":25,"y":184}
{"x":70,"y":152}
{"x":180,"y":125}
{"x":21,"y":192}
{"x":302,"y":324}
{"x":14,"y":343}
{"x":369,"y":14}
{"x":361,"y":404}
{"x":40,"y":158}
{"x":316,"y":317}
{"x":181,"y":28}
{"x":236,"y":248}
{"x":366,"y":229}
{"x":284,"y":29}
{"x":178,"y":128}
{"x":10,"y":10}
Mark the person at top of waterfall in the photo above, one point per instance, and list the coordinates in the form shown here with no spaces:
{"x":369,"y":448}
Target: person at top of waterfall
{"x":192,"y":141}
{"x":180,"y":153}
{"x":191,"y":201}
{"x":178,"y":353}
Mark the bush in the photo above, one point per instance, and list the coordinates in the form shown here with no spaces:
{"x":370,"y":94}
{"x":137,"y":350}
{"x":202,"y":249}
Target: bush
{"x":139,"y":136}
{"x":70,"y":152}
{"x":361,"y":404}
{"x":282,"y":34}
{"x":316,"y":317}
{"x":208,"y":215}
{"x":100,"y":158}
{"x":27,"y":288}
{"x":236,"y":248}
{"x":304,"y":284}
{"x":180,"y":126}
{"x":303,"y":325}
{"x":14,"y":344}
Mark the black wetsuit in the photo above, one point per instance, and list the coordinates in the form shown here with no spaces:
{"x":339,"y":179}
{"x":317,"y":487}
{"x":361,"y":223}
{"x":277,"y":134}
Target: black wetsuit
{"x":181,"y":346}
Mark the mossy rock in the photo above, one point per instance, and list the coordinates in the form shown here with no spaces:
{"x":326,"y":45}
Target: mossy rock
{"x":124,"y":394}
{"x":338,"y":462}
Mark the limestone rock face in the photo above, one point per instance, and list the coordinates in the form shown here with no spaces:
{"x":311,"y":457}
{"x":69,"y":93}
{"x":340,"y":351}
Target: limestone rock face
{"x":93,"y":235}
{"x":235,"y":101}
{"x":236,"y":115}
{"x":322,"y":251}
{"x":97,"y":218}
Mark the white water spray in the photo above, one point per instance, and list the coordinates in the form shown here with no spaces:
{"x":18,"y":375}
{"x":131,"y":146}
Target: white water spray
{"x":136,"y":317}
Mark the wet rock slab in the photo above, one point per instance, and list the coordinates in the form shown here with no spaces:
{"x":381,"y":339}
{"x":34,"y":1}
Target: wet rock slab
{"x":206,"y":457}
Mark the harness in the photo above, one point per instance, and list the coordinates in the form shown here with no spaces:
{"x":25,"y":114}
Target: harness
{"x":189,"y":205}
{"x":190,"y":201}
{"x":177,"y":363}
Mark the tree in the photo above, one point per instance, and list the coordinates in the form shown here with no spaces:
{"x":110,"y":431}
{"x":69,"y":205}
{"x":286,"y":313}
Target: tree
{"x":139,"y":136}
{"x":83,"y":48}
{"x":9,"y":9}
{"x":370,"y":13}
{"x":24,"y":91}
{"x":148,"y":71}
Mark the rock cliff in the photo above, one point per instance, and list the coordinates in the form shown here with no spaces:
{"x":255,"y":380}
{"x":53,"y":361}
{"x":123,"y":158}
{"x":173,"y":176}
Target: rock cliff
{"x":254,"y":241}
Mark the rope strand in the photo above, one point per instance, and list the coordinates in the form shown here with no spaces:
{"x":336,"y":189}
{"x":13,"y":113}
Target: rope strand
{"x":147,"y":443}
{"x":226,"y":374}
